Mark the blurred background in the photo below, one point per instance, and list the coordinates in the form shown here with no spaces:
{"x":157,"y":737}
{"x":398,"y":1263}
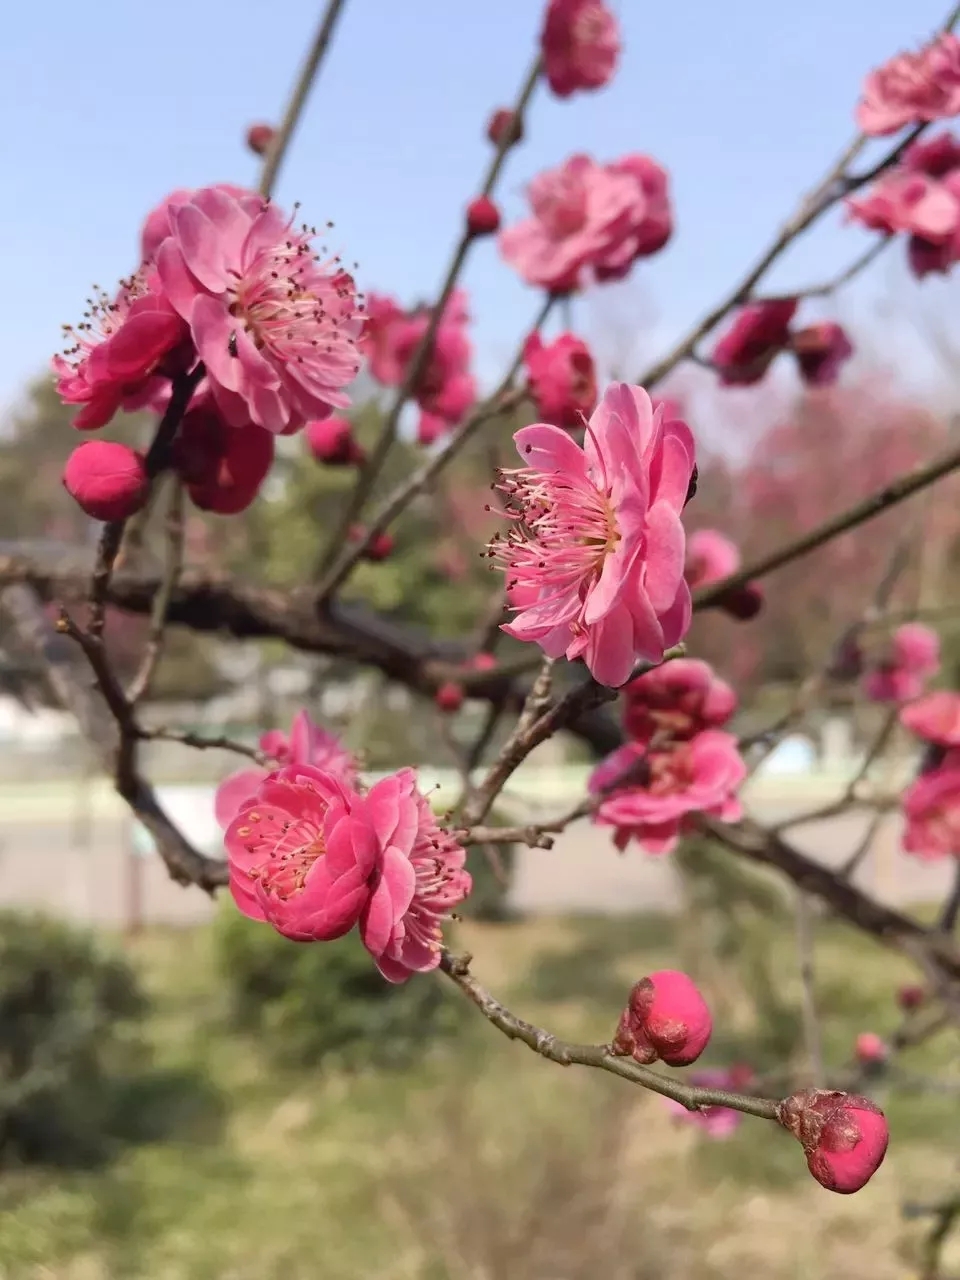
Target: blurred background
{"x":186,"y":1095}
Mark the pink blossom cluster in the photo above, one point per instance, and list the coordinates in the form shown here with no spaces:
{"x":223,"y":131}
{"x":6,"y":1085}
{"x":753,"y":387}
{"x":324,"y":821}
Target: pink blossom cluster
{"x":762,"y":330}
{"x":313,"y":852}
{"x":919,"y":198}
{"x":226,"y":282}
{"x":589,"y":222}
{"x":445,"y":389}
{"x":931,"y":804}
{"x":912,"y":88}
{"x":913,"y":657}
{"x":594,"y":557}
{"x":678,"y":762}
{"x":561,"y":379}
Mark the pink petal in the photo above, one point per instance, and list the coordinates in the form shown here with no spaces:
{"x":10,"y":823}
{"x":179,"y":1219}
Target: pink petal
{"x":547,"y":448}
{"x":663,"y":570}
{"x":201,"y":247}
{"x":233,"y":791}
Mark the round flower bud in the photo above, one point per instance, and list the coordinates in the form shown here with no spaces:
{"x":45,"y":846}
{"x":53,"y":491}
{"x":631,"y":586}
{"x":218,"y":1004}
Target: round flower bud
{"x":666,"y":1018}
{"x":108,"y":480}
{"x":844,"y":1136}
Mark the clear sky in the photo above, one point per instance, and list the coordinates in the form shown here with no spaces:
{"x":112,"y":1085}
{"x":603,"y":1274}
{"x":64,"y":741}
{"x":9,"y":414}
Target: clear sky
{"x":106,"y":106}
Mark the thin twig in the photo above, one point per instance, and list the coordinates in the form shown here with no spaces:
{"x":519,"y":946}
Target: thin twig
{"x":457,"y":968}
{"x":811,"y":1021}
{"x":140,"y":684}
{"x":202,"y":742}
{"x":280,"y":142}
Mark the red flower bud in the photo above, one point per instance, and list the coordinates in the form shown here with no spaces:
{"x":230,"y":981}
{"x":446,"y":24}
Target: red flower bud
{"x":379,"y":548}
{"x":502,"y":120}
{"x":743,"y":603}
{"x":870,"y":1049}
{"x":259,"y":137}
{"x":449,"y":697}
{"x":911,"y":996}
{"x":331,"y":442}
{"x":108,"y":480}
{"x":666,"y":1018}
{"x":483,"y":217}
{"x":843,"y":1135}
{"x":483,"y":662}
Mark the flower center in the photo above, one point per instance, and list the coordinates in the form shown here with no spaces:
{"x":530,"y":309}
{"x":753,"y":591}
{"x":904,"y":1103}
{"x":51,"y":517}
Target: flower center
{"x":296,"y":848}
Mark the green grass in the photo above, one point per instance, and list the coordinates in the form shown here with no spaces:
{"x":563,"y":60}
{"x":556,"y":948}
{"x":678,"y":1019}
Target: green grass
{"x":485,"y":1162}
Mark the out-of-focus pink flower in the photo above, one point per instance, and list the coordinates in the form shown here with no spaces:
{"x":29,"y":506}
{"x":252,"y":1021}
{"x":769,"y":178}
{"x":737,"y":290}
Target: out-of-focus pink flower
{"x":666,"y":1018}
{"x":870,"y":1048}
{"x":380,"y":547}
{"x":158,"y":223}
{"x":483,"y":662}
{"x":589,"y":218}
{"x":114,"y":358}
{"x":580,"y":45}
{"x":562,"y":379}
{"x":107,"y":480}
{"x":914,"y":656}
{"x":716,"y":1122}
{"x":821,"y":350}
{"x":597,"y":545}
{"x":502,"y":120}
{"x":304,"y":851}
{"x":912,"y":88}
{"x":332,"y":442}
{"x":911,"y":996}
{"x":222,"y":465}
{"x":259,"y":137}
{"x":757,"y":336}
{"x":307,"y":743}
{"x":483,"y":217}
{"x":844,"y":1136}
{"x":701,"y":775}
{"x":711,"y":556}
{"x":935,"y":717}
{"x":931,"y":811}
{"x":449,"y":696}
{"x":676,"y":700}
{"x":276,"y":330}
{"x":420,"y":880}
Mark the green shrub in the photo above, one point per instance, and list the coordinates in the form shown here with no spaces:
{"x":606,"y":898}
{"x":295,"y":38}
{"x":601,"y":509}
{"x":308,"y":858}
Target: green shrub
{"x":76,"y":1078}
{"x":320,"y":1002}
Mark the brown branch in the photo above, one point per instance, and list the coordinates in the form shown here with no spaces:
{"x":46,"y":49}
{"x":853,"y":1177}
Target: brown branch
{"x":418,"y":361}
{"x":548,"y":1046}
{"x":835,"y":282}
{"x":280,"y":142}
{"x":140,"y":684}
{"x":202,"y":742}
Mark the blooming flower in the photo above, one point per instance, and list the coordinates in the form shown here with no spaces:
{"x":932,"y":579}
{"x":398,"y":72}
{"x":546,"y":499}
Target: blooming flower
{"x":912,"y":88}
{"x":594,"y":561}
{"x":931,"y":811}
{"x":107,"y":480}
{"x":914,"y":655}
{"x":675,"y":701}
{"x":307,"y":743}
{"x":844,"y":1136}
{"x":820,"y":350}
{"x":116,"y":355}
{"x":935,"y":718}
{"x":222,"y":466}
{"x":589,"y":218}
{"x":716,"y":1122}
{"x":419,"y":881}
{"x":666,"y":1017}
{"x":303,"y":851}
{"x":701,"y":775}
{"x":580,"y":44}
{"x":562,"y":379}
{"x":757,"y":336}
{"x":276,"y":330}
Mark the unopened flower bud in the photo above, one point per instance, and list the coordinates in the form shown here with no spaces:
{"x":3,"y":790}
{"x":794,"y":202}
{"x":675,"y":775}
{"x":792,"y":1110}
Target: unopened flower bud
{"x":666,"y":1018}
{"x":870,"y":1049}
{"x":259,"y":137}
{"x":483,"y":217}
{"x":380,"y":547}
{"x":483,"y":662}
{"x":331,"y":441}
{"x":911,"y":996}
{"x":742,"y":603}
{"x":844,"y":1136}
{"x":502,"y":121}
{"x":449,"y":697}
{"x":108,"y":480}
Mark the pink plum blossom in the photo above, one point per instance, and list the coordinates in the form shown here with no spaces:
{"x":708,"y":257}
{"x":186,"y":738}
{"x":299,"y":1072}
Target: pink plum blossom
{"x":222,"y":465}
{"x":580,"y":45}
{"x":562,"y":379}
{"x":115,"y":357}
{"x":821,"y":350}
{"x":711,"y":556}
{"x":304,"y":850}
{"x":676,"y":700}
{"x":307,"y":743}
{"x":844,"y":1136}
{"x":758,"y":334}
{"x":418,"y":882}
{"x":931,"y":811}
{"x":596,"y":549}
{"x":666,"y":1018}
{"x":701,"y":775}
{"x":912,"y":88}
{"x":276,"y":330}
{"x":935,"y":718}
{"x":589,"y":219}
{"x":914,"y":656}
{"x":716,"y":1122}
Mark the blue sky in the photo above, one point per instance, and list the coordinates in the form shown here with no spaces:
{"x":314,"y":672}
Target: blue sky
{"x":107,"y":106}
